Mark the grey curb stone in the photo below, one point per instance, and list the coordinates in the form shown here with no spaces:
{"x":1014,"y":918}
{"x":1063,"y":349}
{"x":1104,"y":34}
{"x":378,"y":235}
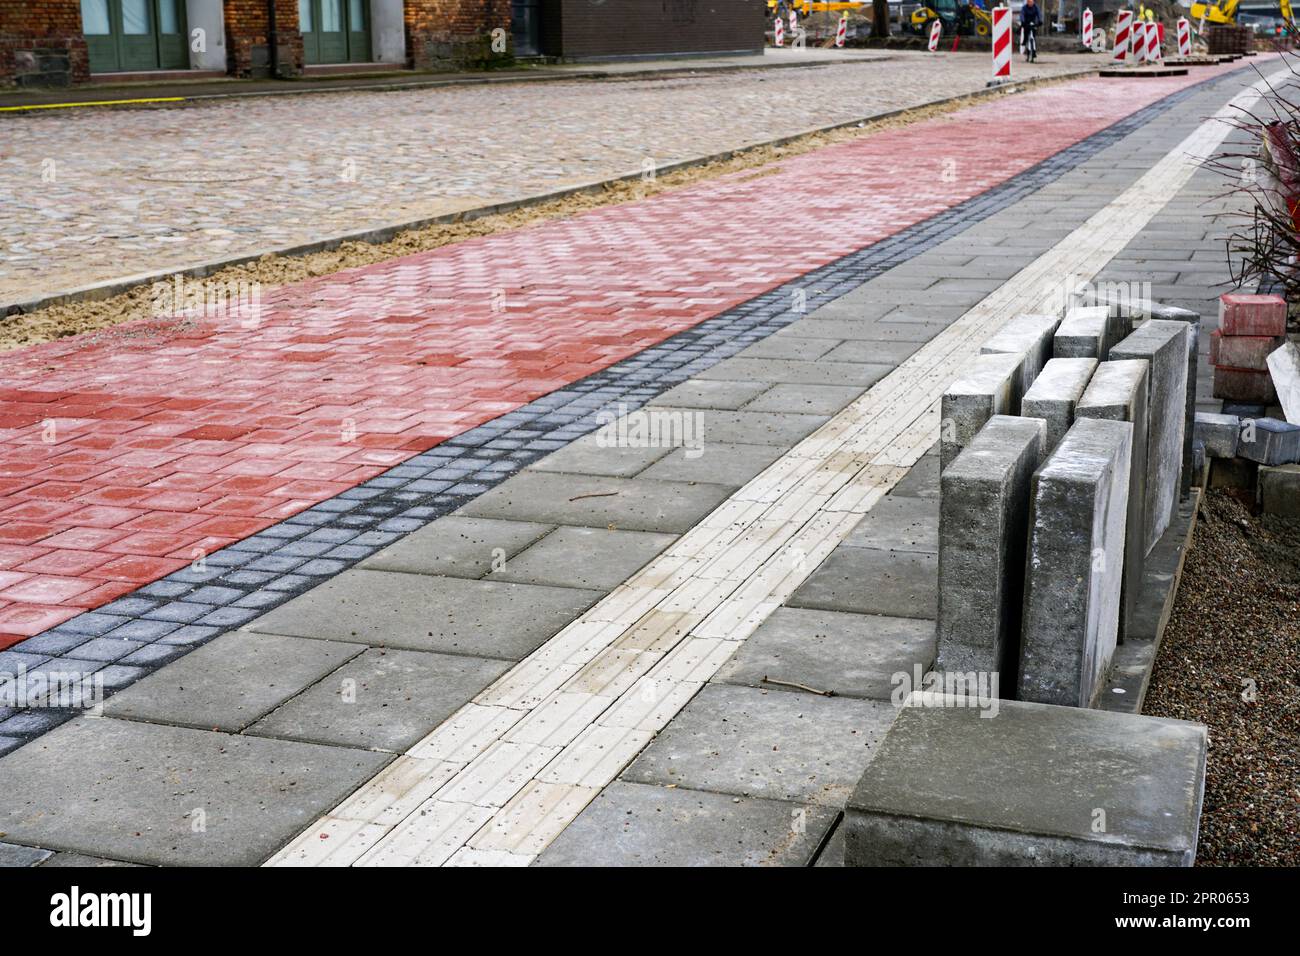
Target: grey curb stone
{"x":1055,"y":393}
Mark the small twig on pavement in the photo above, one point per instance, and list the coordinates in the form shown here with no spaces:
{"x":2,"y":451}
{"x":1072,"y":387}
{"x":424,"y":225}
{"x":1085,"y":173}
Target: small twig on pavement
{"x":595,"y":494}
{"x":788,"y":683}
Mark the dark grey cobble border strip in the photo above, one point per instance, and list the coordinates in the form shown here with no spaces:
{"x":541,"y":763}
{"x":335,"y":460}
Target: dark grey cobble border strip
{"x":136,"y":634}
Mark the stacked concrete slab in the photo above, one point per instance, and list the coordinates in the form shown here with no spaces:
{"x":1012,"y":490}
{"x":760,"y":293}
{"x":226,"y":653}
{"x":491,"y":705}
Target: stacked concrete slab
{"x":988,"y":389}
{"x":1029,"y":337}
{"x":1056,"y":392}
{"x":1118,"y":392}
{"x":1078,"y":514}
{"x":983,"y":524}
{"x":1164,"y":344}
{"x":1086,"y":332}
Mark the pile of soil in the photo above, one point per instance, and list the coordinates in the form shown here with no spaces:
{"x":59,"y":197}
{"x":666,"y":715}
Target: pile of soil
{"x":1230,"y":659}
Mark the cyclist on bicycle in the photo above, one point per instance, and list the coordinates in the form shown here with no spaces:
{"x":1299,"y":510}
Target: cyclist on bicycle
{"x":1031,"y":18}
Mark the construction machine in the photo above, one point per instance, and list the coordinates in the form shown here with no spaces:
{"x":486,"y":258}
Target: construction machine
{"x":1226,"y":12}
{"x":957,"y":18}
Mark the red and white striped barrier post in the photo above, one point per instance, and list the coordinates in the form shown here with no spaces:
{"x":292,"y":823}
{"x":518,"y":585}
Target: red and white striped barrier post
{"x":1138,"y":48}
{"x":1184,"y":37}
{"x":794,"y":23}
{"x":1001,"y":43}
{"x":1123,"y":30}
{"x":936,"y":28}
{"x":1087,"y":28}
{"x":778,"y":35}
{"x":1153,"y":42}
{"x":842,"y":31}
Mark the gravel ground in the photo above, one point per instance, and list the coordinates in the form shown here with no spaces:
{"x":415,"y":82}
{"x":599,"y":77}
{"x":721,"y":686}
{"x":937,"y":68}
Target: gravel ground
{"x":1237,"y":621}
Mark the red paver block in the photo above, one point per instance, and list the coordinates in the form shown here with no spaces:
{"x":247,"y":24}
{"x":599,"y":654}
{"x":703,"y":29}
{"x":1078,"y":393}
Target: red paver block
{"x":141,"y":428}
{"x":1241,"y":313}
{"x":1244,"y":385}
{"x":1248,"y":352}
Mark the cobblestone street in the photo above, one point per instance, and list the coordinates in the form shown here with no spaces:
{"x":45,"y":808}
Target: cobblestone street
{"x":96,"y":196}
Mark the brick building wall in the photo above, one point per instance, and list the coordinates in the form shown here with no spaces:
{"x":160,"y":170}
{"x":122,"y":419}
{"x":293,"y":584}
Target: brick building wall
{"x":582,"y":29}
{"x":454,"y":32}
{"x":41,"y":43}
{"x":247,"y":32}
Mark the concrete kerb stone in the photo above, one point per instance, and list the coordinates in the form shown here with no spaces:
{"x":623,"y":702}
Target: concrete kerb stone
{"x":1218,"y":433}
{"x":1118,"y":392}
{"x":1085,"y":332}
{"x":1056,"y":392}
{"x":1075,"y":564}
{"x":1129,"y":311}
{"x":1269,"y":441}
{"x":1164,"y":344}
{"x":988,"y":389}
{"x":1279,"y":490}
{"x":1029,"y":336}
{"x":983,"y":525}
{"x":949,"y":787}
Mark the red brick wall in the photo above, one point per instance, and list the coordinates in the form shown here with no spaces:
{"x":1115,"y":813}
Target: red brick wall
{"x":247,"y":28}
{"x":442,"y":33}
{"x":41,"y":41}
{"x":583,"y":29}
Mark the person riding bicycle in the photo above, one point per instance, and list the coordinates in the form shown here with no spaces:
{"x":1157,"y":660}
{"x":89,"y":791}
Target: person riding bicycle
{"x":1031,"y":18}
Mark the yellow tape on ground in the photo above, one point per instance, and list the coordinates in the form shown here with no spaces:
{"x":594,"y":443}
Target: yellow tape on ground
{"x":60,"y":106}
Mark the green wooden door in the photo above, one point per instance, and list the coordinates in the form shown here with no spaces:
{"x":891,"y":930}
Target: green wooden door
{"x":125,"y":36}
{"x":358,"y":31}
{"x":335,"y":31}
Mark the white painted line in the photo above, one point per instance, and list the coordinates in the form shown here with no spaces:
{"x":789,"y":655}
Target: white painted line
{"x":534,"y":748}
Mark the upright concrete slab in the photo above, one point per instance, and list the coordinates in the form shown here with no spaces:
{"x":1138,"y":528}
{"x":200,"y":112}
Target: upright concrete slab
{"x":987,"y":389}
{"x":983,"y":521}
{"x":1085,"y":332}
{"x":1076,"y":560}
{"x":1030,"y":337}
{"x":1118,"y":392}
{"x":1130,"y":312}
{"x":1055,"y":393}
{"x":1219,"y":433}
{"x":1164,"y":344}
{"x":1034,"y":785}
{"x":1284,"y":367}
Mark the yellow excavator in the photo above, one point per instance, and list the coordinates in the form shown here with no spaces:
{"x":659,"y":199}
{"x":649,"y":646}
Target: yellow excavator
{"x":962,"y":18}
{"x":1226,"y":12}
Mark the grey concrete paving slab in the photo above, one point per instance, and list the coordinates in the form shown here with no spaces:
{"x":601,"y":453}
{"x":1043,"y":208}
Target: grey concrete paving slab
{"x":632,"y":824}
{"x":702,"y":393}
{"x":854,"y":655}
{"x":719,"y":463}
{"x":852,"y":328}
{"x":591,"y":455}
{"x":427,"y":613}
{"x":384,"y":699}
{"x":635,"y":504}
{"x":596,"y":558}
{"x":873,"y":581}
{"x":898,"y":523}
{"x":746,"y":427}
{"x":922,"y":481}
{"x":805,"y":399}
{"x":799,"y":373}
{"x":865,"y":350}
{"x":772,"y":744}
{"x":151,"y":793}
{"x":457,"y":546}
{"x":12,"y":855}
{"x":952,"y":786}
{"x":231,"y":682}
{"x":800,"y":348}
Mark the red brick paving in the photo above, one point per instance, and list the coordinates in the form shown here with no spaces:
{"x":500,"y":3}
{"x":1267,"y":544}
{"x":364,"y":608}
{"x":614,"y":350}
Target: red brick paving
{"x":128,"y":453}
